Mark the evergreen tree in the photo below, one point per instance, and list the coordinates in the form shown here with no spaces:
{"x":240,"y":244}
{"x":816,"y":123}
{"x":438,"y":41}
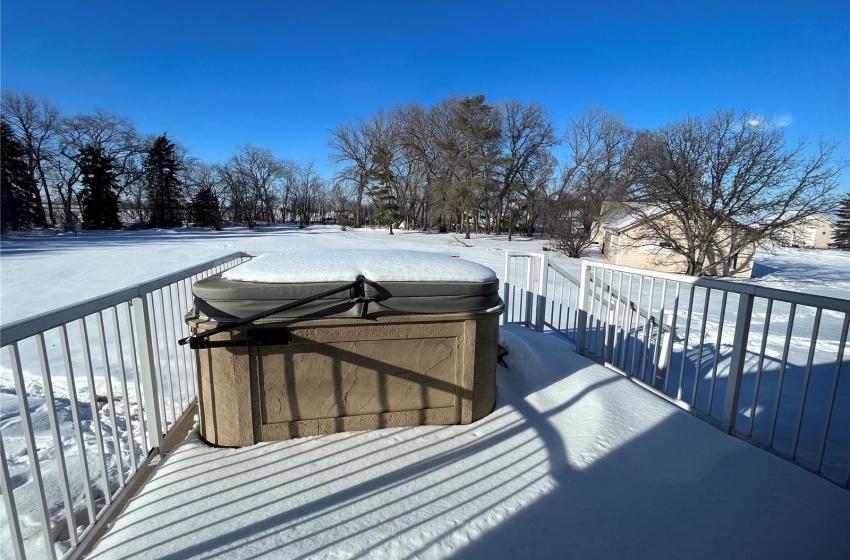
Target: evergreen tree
{"x":841,"y":233}
{"x":163,"y":185}
{"x":472,"y":147}
{"x":99,"y":197}
{"x":205,"y":209}
{"x":382,"y":191}
{"x":18,"y":203}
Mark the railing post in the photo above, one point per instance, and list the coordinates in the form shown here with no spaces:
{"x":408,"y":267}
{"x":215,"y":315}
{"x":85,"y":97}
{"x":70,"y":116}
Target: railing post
{"x":529,"y":294}
{"x":736,"y":364}
{"x":542,"y":286}
{"x":148,"y":373}
{"x":506,"y":289}
{"x":581,"y":326}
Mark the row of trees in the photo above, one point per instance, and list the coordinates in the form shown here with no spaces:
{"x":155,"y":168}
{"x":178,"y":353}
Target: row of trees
{"x":722,"y":181}
{"x":461,"y":163}
{"x":97,"y":172}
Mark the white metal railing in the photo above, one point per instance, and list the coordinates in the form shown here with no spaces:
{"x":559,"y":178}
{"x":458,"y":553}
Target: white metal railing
{"x":97,"y":386}
{"x":765,"y":365}
{"x":538,"y":293}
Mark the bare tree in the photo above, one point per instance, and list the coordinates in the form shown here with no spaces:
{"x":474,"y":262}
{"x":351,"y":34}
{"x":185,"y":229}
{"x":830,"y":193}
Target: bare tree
{"x":533,"y":189}
{"x":419,"y":142}
{"x":252,"y":176}
{"x":595,"y":172}
{"x":35,"y":122}
{"x":352,"y":147}
{"x":307,"y":194}
{"x":340,"y":203}
{"x":471,"y":145}
{"x":528,"y":134}
{"x":119,"y":142}
{"x":724,"y":183}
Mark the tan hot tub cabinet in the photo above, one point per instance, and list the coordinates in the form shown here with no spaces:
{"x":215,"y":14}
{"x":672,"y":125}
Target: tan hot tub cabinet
{"x":281,"y":378}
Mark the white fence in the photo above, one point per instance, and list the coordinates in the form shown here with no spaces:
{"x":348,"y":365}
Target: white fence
{"x":88,"y":394}
{"x":765,"y":365}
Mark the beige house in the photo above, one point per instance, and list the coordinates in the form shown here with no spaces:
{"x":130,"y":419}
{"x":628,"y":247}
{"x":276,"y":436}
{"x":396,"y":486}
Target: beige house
{"x":815,"y":232}
{"x":630,"y":241}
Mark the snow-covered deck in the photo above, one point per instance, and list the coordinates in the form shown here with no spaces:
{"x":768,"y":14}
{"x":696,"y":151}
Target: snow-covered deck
{"x":575,"y":462}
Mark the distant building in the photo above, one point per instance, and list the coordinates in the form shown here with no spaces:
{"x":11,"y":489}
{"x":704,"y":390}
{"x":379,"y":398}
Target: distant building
{"x":629,"y":241}
{"x":814,"y":232}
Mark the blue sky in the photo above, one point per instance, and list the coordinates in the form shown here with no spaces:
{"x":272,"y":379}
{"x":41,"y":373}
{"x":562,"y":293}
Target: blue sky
{"x":217,"y":75}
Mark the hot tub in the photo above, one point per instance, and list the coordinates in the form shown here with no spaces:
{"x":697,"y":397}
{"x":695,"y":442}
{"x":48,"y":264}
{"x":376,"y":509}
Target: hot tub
{"x":414,"y":342}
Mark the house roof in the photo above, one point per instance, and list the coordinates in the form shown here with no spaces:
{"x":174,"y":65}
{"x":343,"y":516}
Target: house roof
{"x":634,"y":214}
{"x":793,"y":213}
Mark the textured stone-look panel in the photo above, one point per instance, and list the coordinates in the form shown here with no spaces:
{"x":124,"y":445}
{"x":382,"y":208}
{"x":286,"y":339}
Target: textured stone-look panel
{"x":486,"y":356}
{"x":307,"y":381}
{"x":332,"y":375}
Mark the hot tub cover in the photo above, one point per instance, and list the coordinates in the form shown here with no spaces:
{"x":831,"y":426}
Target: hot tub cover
{"x":397,"y":282}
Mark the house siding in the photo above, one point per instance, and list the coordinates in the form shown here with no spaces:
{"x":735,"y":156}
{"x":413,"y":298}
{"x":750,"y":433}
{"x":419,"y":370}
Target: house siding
{"x":813,"y":233}
{"x":637,"y":247}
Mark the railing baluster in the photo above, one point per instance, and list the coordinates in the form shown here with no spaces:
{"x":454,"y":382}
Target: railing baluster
{"x":659,"y":333}
{"x":10,"y":506}
{"x":598,"y":283}
{"x":698,"y":374}
{"x":75,"y":417}
{"x":636,"y":313}
{"x":647,"y":331}
{"x":627,"y":325}
{"x":95,"y":413}
{"x":152,"y":330}
{"x":148,"y":372}
{"x":174,"y":336}
{"x":605,"y":315}
{"x":672,"y":337}
{"x":832,"y":391}
{"x":188,"y":365}
{"x":32,"y":450}
{"x":717,"y":351}
{"x":529,"y":292}
{"x":110,"y":402}
{"x":165,"y":371}
{"x":686,"y":341}
{"x":795,"y":439}
{"x":618,"y":327}
{"x":131,"y":440}
{"x":782,"y":366}
{"x":553,"y":298}
{"x":59,"y":449}
{"x":542,"y":287}
{"x":581,"y":323}
{"x":137,"y":381}
{"x":164,"y":346}
{"x":506,"y":289}
{"x":760,"y":366}
{"x":736,"y":361}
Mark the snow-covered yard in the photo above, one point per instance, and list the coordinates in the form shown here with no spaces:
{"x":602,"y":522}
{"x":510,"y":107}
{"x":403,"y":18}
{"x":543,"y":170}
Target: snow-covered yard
{"x":575,"y":457}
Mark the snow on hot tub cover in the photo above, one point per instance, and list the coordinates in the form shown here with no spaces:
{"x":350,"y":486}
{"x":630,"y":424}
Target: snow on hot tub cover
{"x":397,"y":282}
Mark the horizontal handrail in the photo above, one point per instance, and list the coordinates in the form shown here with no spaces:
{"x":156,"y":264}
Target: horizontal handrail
{"x":826,"y":302}
{"x":30,"y":326}
{"x":564,"y":273}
